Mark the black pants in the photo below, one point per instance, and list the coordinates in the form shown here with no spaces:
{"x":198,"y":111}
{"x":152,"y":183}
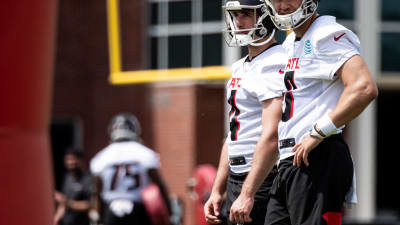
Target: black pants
{"x":312,"y":195}
{"x":234,"y":186}
{"x":138,"y":216}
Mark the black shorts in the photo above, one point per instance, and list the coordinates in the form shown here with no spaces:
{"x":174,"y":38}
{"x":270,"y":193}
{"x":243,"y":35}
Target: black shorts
{"x":234,"y":186}
{"x":312,"y":195}
{"x":137,"y":216}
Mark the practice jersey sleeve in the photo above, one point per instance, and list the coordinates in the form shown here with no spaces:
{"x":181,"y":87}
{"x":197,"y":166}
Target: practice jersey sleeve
{"x":334,"y":49}
{"x":150,"y":160}
{"x":95,"y":164}
{"x":269,"y":82}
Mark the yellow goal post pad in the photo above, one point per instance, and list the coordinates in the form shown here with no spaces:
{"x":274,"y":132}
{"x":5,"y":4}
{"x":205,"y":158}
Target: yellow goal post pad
{"x":119,"y":77}
{"x":169,"y":75}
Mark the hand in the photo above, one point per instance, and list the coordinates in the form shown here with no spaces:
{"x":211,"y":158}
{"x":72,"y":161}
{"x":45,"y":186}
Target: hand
{"x":55,"y":221}
{"x":94,"y":215}
{"x":212,"y":209}
{"x":303,"y":148}
{"x":240,"y":210}
{"x":60,"y":197}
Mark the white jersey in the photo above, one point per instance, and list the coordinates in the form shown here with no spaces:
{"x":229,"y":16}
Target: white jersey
{"x":123,"y":167}
{"x":252,"y":82}
{"x":313,"y":90}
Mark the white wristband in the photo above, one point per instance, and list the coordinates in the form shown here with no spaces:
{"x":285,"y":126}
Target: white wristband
{"x":314,"y":133}
{"x":326,"y":126}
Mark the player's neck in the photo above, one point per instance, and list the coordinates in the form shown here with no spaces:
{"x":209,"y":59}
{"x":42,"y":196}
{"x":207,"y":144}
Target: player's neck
{"x":256,"y":50}
{"x":300,"y":31}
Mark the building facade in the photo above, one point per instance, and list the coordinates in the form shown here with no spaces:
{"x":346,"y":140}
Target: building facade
{"x":184,"y":121}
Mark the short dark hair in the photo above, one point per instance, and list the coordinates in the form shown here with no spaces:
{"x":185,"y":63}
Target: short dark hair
{"x":74,"y":151}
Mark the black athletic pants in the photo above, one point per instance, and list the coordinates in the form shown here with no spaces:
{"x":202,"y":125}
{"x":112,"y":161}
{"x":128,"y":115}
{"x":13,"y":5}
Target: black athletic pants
{"x":312,"y":195}
{"x":234,"y":186}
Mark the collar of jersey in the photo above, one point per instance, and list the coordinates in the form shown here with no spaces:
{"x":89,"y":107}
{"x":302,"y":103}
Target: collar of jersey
{"x":249,"y":60}
{"x":299,"y":38}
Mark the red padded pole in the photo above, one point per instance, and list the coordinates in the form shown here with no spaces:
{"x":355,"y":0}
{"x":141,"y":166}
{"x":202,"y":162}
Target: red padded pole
{"x":26,"y":62}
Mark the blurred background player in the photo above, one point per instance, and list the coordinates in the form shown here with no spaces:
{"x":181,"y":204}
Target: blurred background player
{"x":255,"y":94}
{"x":73,"y":203}
{"x":328,"y":85}
{"x":123,"y":170}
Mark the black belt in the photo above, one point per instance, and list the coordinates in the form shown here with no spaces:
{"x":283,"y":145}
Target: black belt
{"x":237,"y":161}
{"x":286,"y":143}
{"x":290,"y":142}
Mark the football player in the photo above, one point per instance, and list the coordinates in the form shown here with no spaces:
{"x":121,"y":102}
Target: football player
{"x":328,"y":85}
{"x":123,"y":170}
{"x":255,"y":94}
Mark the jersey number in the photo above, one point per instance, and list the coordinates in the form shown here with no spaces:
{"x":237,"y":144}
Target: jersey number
{"x":122,"y":172}
{"x":289,"y":100}
{"x":233,"y":114}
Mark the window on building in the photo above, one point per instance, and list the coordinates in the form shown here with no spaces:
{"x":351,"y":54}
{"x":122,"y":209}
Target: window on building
{"x":391,"y":10}
{"x":390,"y":50}
{"x":341,"y":9}
{"x":184,"y":33}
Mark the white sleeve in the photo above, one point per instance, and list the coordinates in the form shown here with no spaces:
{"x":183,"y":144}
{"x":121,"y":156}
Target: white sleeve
{"x":269,"y":83}
{"x":335,"y":49}
{"x":95,"y":166}
{"x":151,"y":160}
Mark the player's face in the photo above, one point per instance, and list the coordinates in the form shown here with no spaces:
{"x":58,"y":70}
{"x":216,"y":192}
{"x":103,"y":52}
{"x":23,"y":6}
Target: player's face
{"x":284,"y":7}
{"x":244,"y":19}
{"x":71,"y":162}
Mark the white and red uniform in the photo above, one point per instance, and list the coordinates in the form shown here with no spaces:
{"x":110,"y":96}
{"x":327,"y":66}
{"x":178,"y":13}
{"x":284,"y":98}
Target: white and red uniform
{"x":313,"y":194}
{"x":313,"y":90}
{"x":123,"y":168}
{"x":252,"y":82}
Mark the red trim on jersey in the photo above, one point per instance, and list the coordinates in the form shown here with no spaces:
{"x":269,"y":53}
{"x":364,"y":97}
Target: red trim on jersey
{"x":291,"y":94}
{"x":236,"y":117}
{"x":333,"y":218}
{"x":291,"y":82}
{"x":291,"y":86}
{"x":292,"y":105}
{"x":294,"y":84}
{"x":237,"y":131}
{"x":230,"y":113}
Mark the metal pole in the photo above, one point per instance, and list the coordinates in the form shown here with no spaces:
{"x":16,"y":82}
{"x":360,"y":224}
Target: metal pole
{"x":362,"y":138}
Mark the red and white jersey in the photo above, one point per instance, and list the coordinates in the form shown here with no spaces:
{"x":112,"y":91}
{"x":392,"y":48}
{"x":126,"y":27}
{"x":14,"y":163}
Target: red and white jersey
{"x":252,"y":82}
{"x":313,"y":89}
{"x":123,"y":168}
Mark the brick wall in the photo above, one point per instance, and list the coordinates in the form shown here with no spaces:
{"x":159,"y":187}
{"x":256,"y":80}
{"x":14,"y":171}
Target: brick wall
{"x":188,"y":128}
{"x":182,"y":121}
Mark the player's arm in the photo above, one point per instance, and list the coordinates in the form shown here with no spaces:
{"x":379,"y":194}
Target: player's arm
{"x":359,"y":90}
{"x":156,"y":178}
{"x":212,"y":208}
{"x":78,"y":205}
{"x":60,"y":211}
{"x":265,"y":156}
